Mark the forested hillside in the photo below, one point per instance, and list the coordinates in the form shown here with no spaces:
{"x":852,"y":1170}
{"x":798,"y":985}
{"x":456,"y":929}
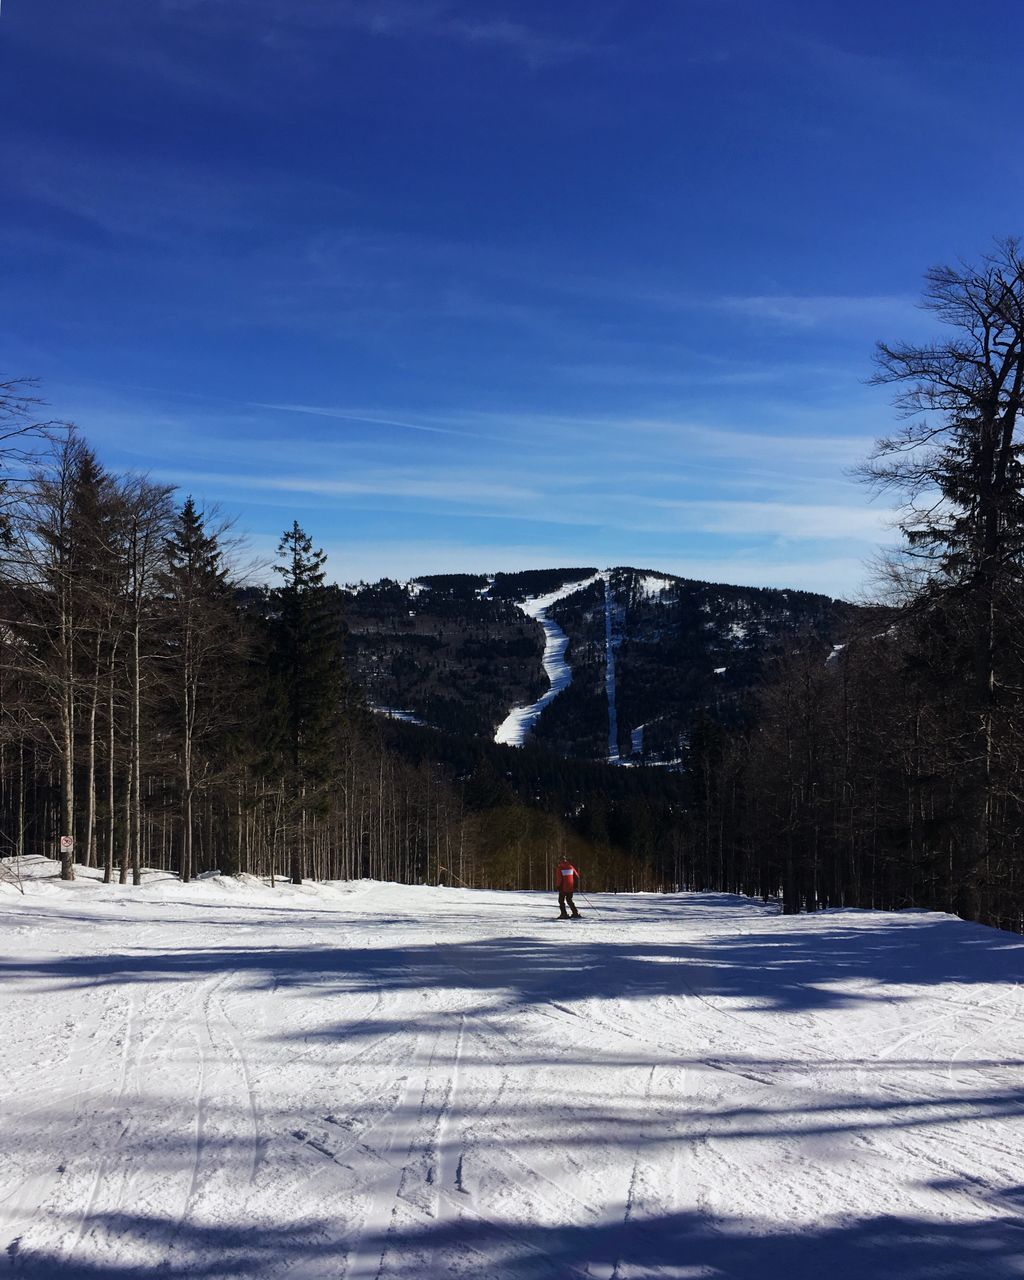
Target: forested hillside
{"x":677,"y":650}
{"x":456,"y":652}
{"x":449,"y":650}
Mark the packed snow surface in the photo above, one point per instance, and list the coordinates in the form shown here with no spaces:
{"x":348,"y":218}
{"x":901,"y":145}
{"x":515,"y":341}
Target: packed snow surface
{"x":369,"y":1080}
{"x":515,"y":728}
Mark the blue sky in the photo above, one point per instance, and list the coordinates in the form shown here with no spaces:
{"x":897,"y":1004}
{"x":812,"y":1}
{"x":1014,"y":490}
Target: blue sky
{"x":486,"y":286}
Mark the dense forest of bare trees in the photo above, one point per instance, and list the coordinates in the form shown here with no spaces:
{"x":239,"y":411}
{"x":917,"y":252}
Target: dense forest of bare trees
{"x":890,"y":773}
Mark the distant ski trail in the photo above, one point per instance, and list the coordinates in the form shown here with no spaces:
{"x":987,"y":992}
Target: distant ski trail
{"x":609,"y":673}
{"x":520,"y":721}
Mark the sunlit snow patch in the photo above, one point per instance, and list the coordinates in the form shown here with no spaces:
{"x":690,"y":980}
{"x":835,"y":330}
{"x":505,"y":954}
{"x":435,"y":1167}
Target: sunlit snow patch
{"x":394,"y":713}
{"x":651,"y":586}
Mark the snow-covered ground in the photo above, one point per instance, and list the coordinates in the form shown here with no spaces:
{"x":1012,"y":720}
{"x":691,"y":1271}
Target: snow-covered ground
{"x":368,"y":1080}
{"x":652,"y":586}
{"x":516,"y":726}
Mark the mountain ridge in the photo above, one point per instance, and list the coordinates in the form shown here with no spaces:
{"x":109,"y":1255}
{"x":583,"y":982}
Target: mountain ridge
{"x":648,"y":652}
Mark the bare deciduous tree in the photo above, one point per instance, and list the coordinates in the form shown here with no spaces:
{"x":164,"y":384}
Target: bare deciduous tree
{"x":958,"y":461}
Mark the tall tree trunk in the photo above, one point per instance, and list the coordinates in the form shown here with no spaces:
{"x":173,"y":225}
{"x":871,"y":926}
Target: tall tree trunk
{"x":136,"y":759}
{"x":108,"y":866}
{"x":126,"y":845}
{"x":67,"y":856}
{"x":20,"y":840}
{"x":90,"y":789}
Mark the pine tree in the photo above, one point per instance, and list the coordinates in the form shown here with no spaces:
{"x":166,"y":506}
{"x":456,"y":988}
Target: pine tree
{"x":202,"y":642}
{"x":97,"y":572}
{"x":308,"y":675}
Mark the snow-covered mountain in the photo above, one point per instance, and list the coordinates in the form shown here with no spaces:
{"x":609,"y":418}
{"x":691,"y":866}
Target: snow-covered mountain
{"x":613,"y":664}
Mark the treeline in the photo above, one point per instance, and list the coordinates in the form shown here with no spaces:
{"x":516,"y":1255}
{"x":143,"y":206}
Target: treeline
{"x":157,"y":712}
{"x":528,"y":806}
{"x":891,"y":773}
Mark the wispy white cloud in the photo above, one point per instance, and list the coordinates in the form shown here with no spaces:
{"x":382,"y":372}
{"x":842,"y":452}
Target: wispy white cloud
{"x":306,"y":21}
{"x":483,"y":494}
{"x":799,"y":521}
{"x":320,"y":411}
{"x":711,"y":440}
{"x":811,"y":311}
{"x":640,"y":376}
{"x":159,"y":200}
{"x":393,"y":483}
{"x":602,"y":489}
{"x":889,"y":84}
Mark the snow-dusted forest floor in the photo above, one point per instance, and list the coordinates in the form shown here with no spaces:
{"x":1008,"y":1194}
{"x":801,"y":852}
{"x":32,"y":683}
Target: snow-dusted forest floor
{"x":370,"y":1080}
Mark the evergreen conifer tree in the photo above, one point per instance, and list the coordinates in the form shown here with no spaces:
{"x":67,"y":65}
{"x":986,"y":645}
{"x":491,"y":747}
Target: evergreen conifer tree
{"x":308,"y":673}
{"x":202,"y":643}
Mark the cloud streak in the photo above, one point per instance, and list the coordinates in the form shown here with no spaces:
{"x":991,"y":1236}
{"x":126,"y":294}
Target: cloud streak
{"x":307,"y":21}
{"x":472,"y":489}
{"x":319,"y":411}
{"x":813,"y":311}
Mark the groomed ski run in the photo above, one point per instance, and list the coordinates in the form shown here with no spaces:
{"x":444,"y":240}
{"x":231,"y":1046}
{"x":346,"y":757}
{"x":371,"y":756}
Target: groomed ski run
{"x":515,"y":728}
{"x":405,"y":1083}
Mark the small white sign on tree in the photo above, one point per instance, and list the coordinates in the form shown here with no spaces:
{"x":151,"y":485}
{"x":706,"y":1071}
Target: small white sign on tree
{"x":67,"y":843}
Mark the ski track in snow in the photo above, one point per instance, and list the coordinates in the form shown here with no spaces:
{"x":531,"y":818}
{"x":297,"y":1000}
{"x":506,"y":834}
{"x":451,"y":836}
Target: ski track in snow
{"x":384,"y":1082}
{"x":515,"y":728}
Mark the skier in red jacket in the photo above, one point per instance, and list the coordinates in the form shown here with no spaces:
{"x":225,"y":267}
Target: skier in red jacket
{"x":567,"y":881}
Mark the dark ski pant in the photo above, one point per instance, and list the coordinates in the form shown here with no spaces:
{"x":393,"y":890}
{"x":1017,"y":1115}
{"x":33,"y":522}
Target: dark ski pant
{"x":565,"y":899}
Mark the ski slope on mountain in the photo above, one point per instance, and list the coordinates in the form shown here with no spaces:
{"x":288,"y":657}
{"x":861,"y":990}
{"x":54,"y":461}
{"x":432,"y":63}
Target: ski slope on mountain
{"x":374,"y":1081}
{"x":515,"y":728}
{"x":609,"y":672}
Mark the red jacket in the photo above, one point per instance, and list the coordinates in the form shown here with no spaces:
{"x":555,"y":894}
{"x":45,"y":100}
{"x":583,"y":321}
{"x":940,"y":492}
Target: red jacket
{"x":567,"y":878}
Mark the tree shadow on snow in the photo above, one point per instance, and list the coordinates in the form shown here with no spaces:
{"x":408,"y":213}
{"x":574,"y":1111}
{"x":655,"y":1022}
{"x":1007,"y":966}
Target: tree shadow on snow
{"x":790,"y":964}
{"x":883,"y":1247}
